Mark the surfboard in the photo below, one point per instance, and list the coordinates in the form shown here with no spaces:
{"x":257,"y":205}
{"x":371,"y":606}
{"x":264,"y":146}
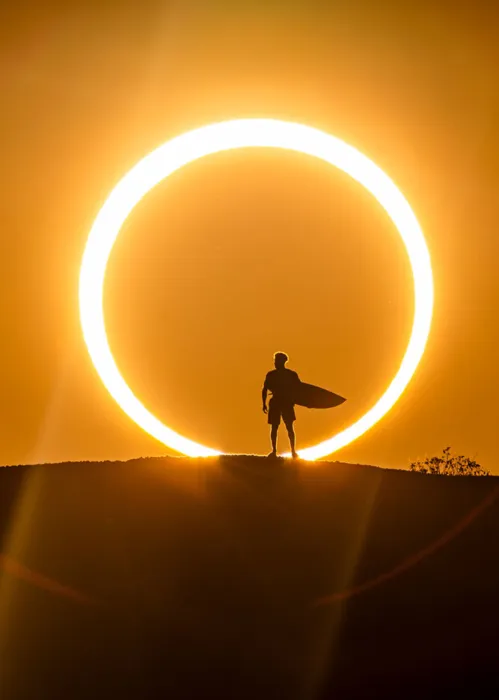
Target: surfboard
{"x":312,"y":396}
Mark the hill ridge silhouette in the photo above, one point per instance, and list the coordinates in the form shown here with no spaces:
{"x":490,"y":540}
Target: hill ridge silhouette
{"x":244,"y":577}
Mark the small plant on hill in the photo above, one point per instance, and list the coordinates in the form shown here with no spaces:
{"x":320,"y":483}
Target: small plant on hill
{"x":448,"y":465}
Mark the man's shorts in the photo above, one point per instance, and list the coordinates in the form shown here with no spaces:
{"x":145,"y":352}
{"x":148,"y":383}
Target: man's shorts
{"x":277,"y":411}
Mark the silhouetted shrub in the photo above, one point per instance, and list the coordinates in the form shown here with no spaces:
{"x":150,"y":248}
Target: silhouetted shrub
{"x":448,"y":465}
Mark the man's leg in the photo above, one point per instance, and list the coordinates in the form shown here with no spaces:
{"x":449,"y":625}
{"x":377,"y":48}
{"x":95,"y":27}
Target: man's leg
{"x":273,"y":439}
{"x":292,"y":438}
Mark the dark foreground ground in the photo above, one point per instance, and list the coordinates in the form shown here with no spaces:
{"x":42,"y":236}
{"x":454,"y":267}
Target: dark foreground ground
{"x":239,"y":578}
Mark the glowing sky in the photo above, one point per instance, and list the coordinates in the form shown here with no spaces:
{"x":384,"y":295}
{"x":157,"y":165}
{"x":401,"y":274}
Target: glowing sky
{"x":89,"y":91}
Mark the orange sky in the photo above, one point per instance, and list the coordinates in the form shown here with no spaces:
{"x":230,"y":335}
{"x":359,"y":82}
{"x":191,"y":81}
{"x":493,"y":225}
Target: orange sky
{"x":248,"y":252}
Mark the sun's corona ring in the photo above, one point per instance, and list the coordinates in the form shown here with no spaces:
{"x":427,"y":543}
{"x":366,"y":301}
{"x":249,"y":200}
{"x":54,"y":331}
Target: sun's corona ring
{"x":223,"y":136}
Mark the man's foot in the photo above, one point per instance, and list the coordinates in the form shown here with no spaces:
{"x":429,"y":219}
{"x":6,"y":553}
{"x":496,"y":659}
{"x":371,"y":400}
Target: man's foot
{"x":294,"y":455}
{"x":272,"y":455}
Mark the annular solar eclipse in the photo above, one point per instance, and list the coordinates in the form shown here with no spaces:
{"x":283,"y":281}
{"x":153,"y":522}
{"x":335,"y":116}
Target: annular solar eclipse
{"x":223,"y":136}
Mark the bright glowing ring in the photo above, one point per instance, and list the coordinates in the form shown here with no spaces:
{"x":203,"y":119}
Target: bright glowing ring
{"x":225,"y":136}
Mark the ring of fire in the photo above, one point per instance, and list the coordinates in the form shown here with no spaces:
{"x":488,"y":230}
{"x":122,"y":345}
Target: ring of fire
{"x":244,"y":133}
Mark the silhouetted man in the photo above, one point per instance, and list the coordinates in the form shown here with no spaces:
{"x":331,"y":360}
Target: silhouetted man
{"x":281,"y":382}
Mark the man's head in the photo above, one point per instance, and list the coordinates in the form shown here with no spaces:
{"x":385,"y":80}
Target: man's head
{"x":280,"y":359}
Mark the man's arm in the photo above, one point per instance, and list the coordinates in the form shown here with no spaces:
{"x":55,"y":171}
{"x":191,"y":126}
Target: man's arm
{"x":296,"y":382}
{"x":264,"y":396}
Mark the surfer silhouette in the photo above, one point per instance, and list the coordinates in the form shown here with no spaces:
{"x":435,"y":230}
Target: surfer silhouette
{"x":282,"y":383}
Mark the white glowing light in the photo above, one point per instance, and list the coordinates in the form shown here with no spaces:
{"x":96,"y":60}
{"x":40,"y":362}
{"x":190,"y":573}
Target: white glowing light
{"x":243,"y":133}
